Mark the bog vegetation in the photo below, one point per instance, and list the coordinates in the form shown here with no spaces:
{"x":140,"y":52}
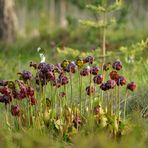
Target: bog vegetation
{"x":83,"y":86}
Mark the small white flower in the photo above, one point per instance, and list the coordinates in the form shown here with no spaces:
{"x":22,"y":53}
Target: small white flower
{"x":73,"y":62}
{"x":38,"y":49}
{"x":88,"y":67}
{"x":130,"y":59}
{"x":43,"y":58}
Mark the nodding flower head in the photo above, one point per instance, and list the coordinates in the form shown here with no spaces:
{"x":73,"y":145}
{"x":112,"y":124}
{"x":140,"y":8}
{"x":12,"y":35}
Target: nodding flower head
{"x":11,"y":85}
{"x":89,"y":59}
{"x":94,"y":70}
{"x":5,"y":99}
{"x":90,"y":90}
{"x":34,"y":65}
{"x":106,"y":66}
{"x":5,"y":90}
{"x":3,"y":82}
{"x":30,"y":91}
{"x":50,"y":67}
{"x":71,"y":67}
{"x":79,"y":63}
{"x":58,"y":68}
{"x":114,"y":75}
{"x":85,"y":71}
{"x":23,"y":92}
{"x":33,"y":100}
{"x":131,"y":86}
{"x":110,"y":84}
{"x":57,"y":82}
{"x":62,"y":94}
{"x":77,"y":121}
{"x":117,"y":65}
{"x":40,"y":80}
{"x":63,"y":80}
{"x":64,"y":64}
{"x":121,"y":81}
{"x":50,"y":76}
{"x":103,"y":87}
{"x":46,"y":67}
{"x":25,"y":75}
{"x":41,"y":65}
{"x":98,"y":79}
{"x":97,"y":109}
{"x":15,"y":110}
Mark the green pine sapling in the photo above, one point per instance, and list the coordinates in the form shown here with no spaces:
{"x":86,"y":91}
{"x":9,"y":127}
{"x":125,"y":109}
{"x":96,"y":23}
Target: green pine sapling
{"x":104,"y":21}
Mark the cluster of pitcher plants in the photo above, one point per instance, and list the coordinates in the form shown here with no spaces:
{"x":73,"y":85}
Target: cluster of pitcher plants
{"x":67,"y":96}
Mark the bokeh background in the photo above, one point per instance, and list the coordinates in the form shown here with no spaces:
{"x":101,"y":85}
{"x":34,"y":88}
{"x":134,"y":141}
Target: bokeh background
{"x":54,"y":26}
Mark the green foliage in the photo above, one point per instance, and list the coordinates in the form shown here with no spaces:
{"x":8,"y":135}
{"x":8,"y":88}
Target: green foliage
{"x":81,"y":3}
{"x":139,"y":103}
{"x":96,"y":9}
{"x":101,"y":10}
{"x":135,"y":52}
{"x":98,"y":24}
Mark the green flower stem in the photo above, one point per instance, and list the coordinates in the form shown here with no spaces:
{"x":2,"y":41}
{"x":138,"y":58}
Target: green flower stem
{"x":80,"y":94}
{"x":102,"y":98}
{"x":65,"y":90}
{"x":41,"y":95}
{"x":28,"y":113}
{"x":10,"y":116}
{"x":112,"y":101}
{"x":116,"y":101}
{"x":19,"y":118}
{"x":44,"y":97}
{"x":61,"y":106}
{"x":51,"y":89}
{"x":102,"y":92}
{"x":107,"y":100}
{"x":71,"y":87}
{"x":55,"y":100}
{"x":31,"y":115}
{"x":125,"y":104}
{"x":28,"y":107}
{"x":91,"y":101}
{"x":80,"y":90}
{"x":95,"y":89}
{"x":110,"y":104}
{"x":6,"y":115}
{"x":119,"y":102}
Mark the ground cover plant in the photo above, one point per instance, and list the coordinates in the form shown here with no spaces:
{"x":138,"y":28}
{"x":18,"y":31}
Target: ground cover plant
{"x":45,"y":98}
{"x":85,"y":86}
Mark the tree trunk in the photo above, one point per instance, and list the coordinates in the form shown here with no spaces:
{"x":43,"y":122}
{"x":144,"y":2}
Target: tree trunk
{"x":52,"y":12}
{"x":63,"y":6}
{"x":7,"y":21}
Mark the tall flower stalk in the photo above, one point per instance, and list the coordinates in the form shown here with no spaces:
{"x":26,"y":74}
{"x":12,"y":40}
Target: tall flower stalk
{"x":55,"y":104}
{"x":125,"y":104}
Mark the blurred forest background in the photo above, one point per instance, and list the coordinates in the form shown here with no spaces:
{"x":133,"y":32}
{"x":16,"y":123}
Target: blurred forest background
{"x":26,"y":25}
{"x":31,"y":18}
